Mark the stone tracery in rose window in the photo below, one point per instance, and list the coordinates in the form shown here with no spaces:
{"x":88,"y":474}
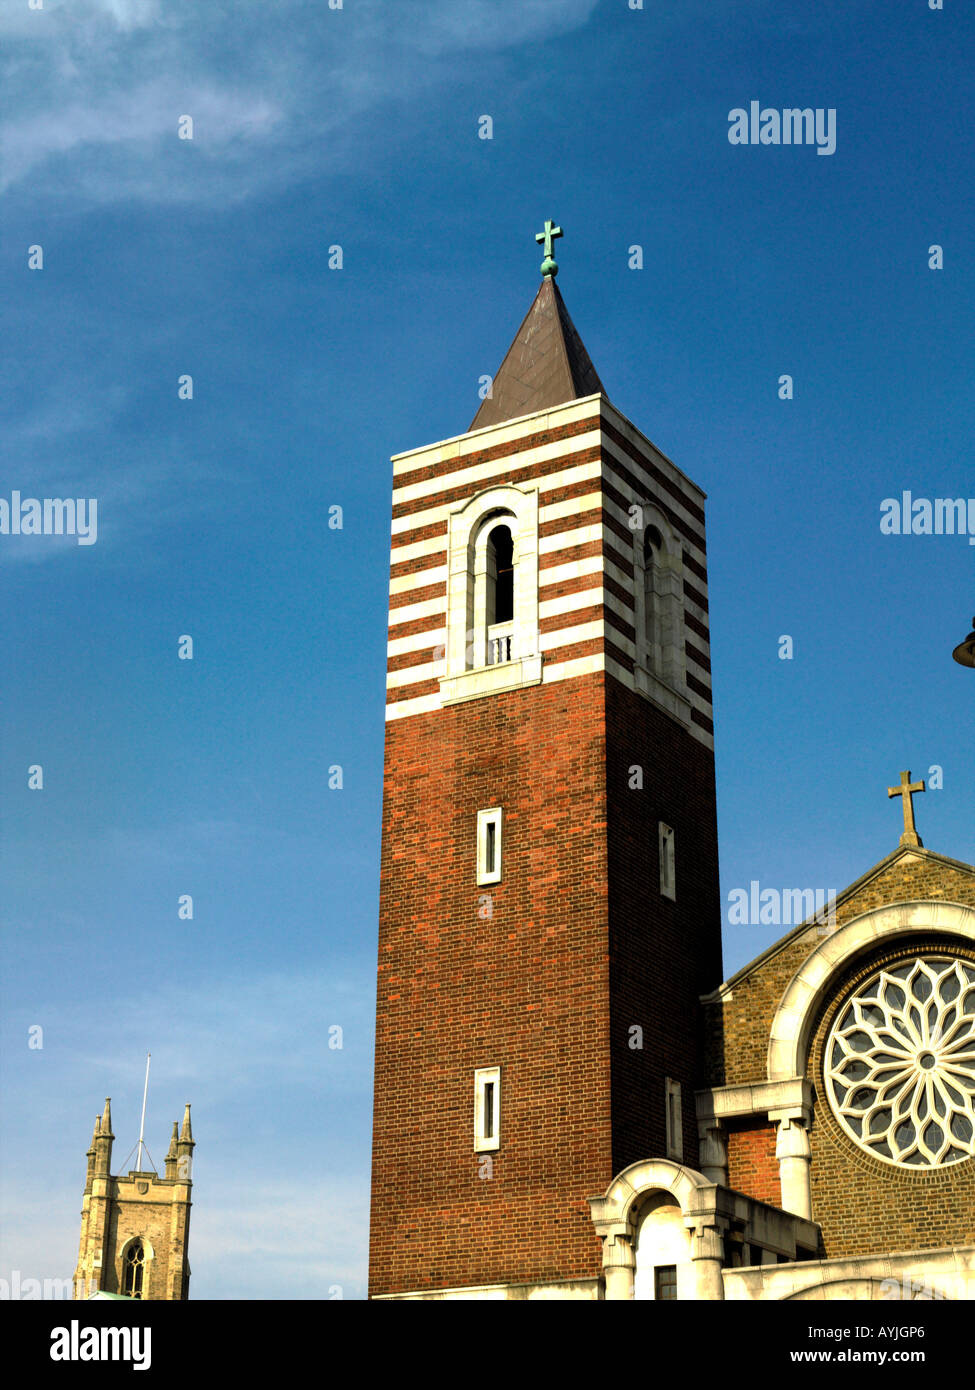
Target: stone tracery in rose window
{"x":899,"y":1063}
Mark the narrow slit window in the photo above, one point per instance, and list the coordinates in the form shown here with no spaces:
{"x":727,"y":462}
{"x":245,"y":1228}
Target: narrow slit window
{"x":675,"y":1121}
{"x":487,"y":1109}
{"x":668,"y":879}
{"x":489,"y":845}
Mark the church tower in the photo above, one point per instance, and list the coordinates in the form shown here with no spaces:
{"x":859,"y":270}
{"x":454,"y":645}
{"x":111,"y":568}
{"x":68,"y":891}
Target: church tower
{"x":549,"y":902}
{"x":135,"y":1229}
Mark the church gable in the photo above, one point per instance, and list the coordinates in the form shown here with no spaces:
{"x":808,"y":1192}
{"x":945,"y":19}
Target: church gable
{"x":842,"y":1063}
{"x":739,"y":1014}
{"x":909,"y":875}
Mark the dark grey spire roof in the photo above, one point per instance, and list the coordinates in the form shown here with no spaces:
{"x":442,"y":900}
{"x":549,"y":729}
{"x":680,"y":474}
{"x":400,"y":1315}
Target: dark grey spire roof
{"x":546,"y":365}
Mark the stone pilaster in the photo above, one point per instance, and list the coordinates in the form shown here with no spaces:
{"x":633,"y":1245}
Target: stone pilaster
{"x":794,"y":1155}
{"x":707,"y":1257}
{"x":619,"y":1266}
{"x":713,"y":1151}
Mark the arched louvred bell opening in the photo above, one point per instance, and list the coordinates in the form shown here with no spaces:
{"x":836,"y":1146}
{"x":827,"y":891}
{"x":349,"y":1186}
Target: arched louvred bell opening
{"x":653,"y":541}
{"x":658,"y":606}
{"x":653,"y":551}
{"x":502,"y":546}
{"x":492,"y":595}
{"x":500,"y":595}
{"x":134,"y":1269}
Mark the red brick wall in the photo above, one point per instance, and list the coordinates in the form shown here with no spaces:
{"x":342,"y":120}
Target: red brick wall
{"x":752,"y":1165}
{"x":664,"y":954}
{"x":581,"y":945}
{"x":526,"y":990}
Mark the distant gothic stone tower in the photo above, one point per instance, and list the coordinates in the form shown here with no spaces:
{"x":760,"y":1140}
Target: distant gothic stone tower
{"x":135,"y":1229}
{"x":549,"y":902}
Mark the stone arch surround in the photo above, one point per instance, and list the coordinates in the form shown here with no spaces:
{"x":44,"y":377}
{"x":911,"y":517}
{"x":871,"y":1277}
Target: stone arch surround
{"x":792,"y":1028}
{"x":615,"y":1216}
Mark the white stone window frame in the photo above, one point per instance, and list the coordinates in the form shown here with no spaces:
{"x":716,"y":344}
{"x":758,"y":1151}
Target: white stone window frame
{"x":674,"y":1118}
{"x":667,"y":858}
{"x":484,"y":1077}
{"x":467,"y":675}
{"x":489,"y":873}
{"x":660,"y":673}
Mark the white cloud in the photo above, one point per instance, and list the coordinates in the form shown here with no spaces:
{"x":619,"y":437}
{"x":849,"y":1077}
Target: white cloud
{"x":138,"y":500}
{"x":228,"y":1033}
{"x":93,"y":92}
{"x":282,"y":1239}
{"x":129,"y":14}
{"x":78,"y":16}
{"x":136,"y":117}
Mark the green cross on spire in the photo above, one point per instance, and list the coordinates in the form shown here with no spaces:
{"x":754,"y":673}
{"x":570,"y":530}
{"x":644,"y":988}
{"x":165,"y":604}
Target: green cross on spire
{"x":549,"y":267}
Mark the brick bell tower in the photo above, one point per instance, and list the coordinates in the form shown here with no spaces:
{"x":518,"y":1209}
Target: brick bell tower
{"x":549,"y":902}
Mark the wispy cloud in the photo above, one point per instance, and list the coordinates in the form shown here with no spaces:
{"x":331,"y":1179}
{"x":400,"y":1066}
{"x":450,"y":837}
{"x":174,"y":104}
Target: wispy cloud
{"x":301,"y":1239}
{"x":192,"y":1021}
{"x":94,"y":91}
{"x":140,"y":119}
{"x":138,"y":499}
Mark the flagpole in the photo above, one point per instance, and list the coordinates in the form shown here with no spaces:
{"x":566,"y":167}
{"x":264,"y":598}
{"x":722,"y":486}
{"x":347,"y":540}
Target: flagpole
{"x":142,"y":1122}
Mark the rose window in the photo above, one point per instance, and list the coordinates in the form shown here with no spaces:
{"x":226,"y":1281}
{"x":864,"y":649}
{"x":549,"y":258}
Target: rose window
{"x":900,"y":1063}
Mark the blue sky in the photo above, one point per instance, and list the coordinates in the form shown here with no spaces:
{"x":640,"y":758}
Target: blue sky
{"x":359,"y":127}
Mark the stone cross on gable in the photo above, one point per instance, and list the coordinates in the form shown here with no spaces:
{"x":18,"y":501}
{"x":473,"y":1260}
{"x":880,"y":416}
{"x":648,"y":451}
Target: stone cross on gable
{"x":906,"y":792}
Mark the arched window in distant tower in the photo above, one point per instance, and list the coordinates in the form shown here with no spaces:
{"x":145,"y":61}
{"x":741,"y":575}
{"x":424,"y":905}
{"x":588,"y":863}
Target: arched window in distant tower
{"x":134,"y":1269}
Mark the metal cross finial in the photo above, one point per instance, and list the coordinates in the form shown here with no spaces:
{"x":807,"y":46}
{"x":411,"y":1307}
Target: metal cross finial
{"x":549,"y":266}
{"x":906,"y":792}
